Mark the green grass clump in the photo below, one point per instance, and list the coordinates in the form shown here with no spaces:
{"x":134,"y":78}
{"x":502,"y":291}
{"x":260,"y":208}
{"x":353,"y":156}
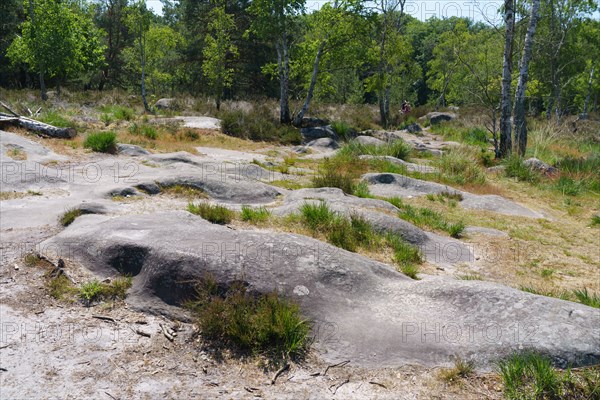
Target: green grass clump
{"x":119,"y":113}
{"x":61,"y":287}
{"x":317,"y":216}
{"x":361,"y":189}
{"x":261,"y":323}
{"x":101,"y":142}
{"x":258,"y":125}
{"x":343,"y":130}
{"x":212,"y":212}
{"x":529,"y":375}
{"x":69,"y":216}
{"x":406,"y":256}
{"x":184,"y":191}
{"x":516,"y":168}
{"x":54,"y":118}
{"x":255,"y":215}
{"x":422,"y":216}
{"x":331,"y":178}
{"x":95,"y":290}
{"x":461,"y":166}
{"x":397,"y":148}
{"x":145,"y":130}
{"x":595,"y":220}
{"x":586,"y":298}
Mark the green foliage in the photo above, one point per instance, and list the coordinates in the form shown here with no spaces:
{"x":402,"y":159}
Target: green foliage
{"x":331,"y":178}
{"x":261,"y":323}
{"x":361,"y":189}
{"x":212,"y":212}
{"x":587,"y":298}
{"x":462,"y":369}
{"x":595,"y":220}
{"x":101,"y":142}
{"x":219,"y":51}
{"x":257,"y":125}
{"x":255,"y":215}
{"x":119,"y":113}
{"x":406,"y":255}
{"x":69,"y":216}
{"x":317,"y":216}
{"x":90,"y":291}
{"x":58,"y":39}
{"x":343,"y":130}
{"x":580,"y":295}
{"x":60,"y":287}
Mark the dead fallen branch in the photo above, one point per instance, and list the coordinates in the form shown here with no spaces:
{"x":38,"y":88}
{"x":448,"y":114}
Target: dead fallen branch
{"x":339,"y":385}
{"x":38,"y":127}
{"x":104,"y":318}
{"x":378,"y":384}
{"x":279,"y":372}
{"x":340,"y":364}
{"x":169,"y":333}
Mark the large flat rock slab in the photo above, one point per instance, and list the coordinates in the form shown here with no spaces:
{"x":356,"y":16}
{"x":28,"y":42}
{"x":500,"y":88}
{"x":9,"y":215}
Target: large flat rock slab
{"x":30,"y":149}
{"x":362,"y":310}
{"x":396,"y":185}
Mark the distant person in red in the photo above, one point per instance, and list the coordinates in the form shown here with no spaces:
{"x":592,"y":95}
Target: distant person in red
{"x":405,"y":107}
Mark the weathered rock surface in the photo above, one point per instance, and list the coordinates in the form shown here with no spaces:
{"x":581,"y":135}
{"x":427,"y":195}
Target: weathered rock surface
{"x":540,"y":166}
{"x":201,"y":122}
{"x":437,"y":249}
{"x":32,"y":150}
{"x":323,"y":144}
{"x":131,"y":150}
{"x":373,"y":315}
{"x":414,"y":128}
{"x":390,"y":185}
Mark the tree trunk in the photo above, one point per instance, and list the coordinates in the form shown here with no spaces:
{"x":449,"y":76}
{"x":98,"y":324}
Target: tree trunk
{"x":520,"y":123}
{"x":283,"y":59}
{"x":586,"y":104}
{"x":311,"y":88}
{"x":143,"y":65}
{"x":505,"y":106}
{"x":38,"y":127}
{"x":43,"y":87}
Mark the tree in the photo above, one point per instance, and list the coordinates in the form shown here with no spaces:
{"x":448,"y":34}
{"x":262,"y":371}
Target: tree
{"x":520,"y":123}
{"x":329,"y":30}
{"x":505,"y":104}
{"x":273,"y":21}
{"x":138,"y":21}
{"x":218,"y":52}
{"x":58,"y":40}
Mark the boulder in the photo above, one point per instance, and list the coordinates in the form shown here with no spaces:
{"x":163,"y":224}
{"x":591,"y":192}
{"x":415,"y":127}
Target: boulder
{"x":540,"y":166}
{"x":164,"y":104}
{"x":414,"y":128}
{"x":313,"y":122}
{"x":317,"y":132}
{"x":437,"y":117}
{"x":370,"y":140}
{"x":323,"y":144}
{"x":362,"y":310}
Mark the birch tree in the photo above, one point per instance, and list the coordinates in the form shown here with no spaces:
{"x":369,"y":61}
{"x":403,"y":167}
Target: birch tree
{"x":505,"y":102}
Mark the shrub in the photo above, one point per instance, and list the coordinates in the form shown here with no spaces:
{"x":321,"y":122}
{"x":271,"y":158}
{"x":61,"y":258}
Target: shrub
{"x":212,"y":212}
{"x":147,"y":131}
{"x":90,"y":291}
{"x":69,"y":216}
{"x":102,"y":142}
{"x":255,"y":215}
{"x":258,"y":125}
{"x":261,"y":323}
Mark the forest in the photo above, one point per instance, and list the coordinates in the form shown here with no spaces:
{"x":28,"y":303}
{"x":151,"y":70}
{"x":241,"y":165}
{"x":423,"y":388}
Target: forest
{"x":345,"y":52}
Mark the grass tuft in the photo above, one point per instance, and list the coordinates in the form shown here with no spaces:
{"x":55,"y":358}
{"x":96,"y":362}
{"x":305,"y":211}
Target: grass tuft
{"x":255,"y":215}
{"x":69,"y":216}
{"x":261,"y":323}
{"x":462,"y":369}
{"x":212,"y":212}
{"x":101,"y":142}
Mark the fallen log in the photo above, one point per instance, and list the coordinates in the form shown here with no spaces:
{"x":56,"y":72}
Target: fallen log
{"x":38,"y":127}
